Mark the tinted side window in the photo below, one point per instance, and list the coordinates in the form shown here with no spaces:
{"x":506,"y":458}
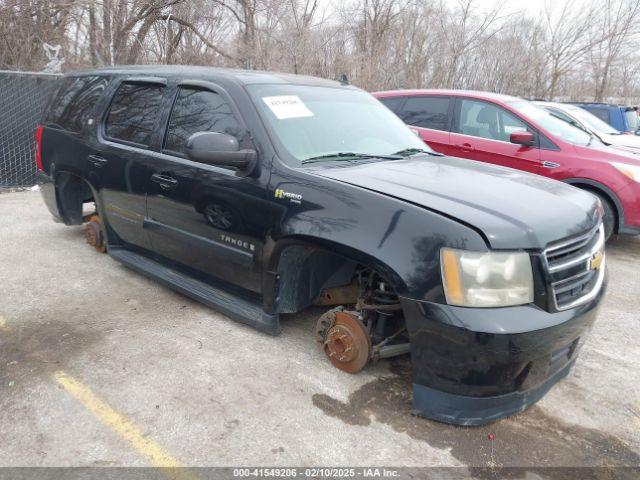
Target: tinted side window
{"x":199,"y":111}
{"x":134,"y":112}
{"x":74,"y":102}
{"x":485,"y":120}
{"x":427,"y":112}
{"x":392,"y":103}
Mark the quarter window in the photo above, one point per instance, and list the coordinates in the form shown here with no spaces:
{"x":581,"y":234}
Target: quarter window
{"x":485,"y":120}
{"x":75,"y":101}
{"x":427,"y":112}
{"x":196,"y":111}
{"x":134,"y":113}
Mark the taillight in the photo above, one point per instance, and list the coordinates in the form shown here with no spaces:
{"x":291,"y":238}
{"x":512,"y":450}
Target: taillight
{"x":39,"y":130}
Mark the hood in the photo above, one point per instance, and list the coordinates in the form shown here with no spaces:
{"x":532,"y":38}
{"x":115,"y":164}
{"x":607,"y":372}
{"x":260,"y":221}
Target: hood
{"x":631,"y":150}
{"x":512,"y":209}
{"x":608,"y":153}
{"x":630,"y":142}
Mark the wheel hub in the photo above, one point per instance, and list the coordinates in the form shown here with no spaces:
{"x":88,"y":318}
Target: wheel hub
{"x":347,"y":342}
{"x":93,"y":234}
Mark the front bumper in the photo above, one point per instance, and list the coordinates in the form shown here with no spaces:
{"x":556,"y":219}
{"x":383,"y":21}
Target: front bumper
{"x":629,"y":197}
{"x":473,"y":366}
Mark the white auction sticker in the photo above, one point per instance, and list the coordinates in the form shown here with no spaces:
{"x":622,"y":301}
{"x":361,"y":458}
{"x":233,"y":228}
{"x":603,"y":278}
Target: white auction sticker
{"x":287,"y":106}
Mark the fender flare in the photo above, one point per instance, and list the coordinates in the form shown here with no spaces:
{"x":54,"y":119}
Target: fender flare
{"x":577,"y":182}
{"x":64,"y":196}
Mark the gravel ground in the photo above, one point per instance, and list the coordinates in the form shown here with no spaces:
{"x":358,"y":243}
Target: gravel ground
{"x":212,"y":392}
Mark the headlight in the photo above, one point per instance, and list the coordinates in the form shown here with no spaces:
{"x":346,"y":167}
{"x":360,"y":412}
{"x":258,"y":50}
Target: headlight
{"x":486,"y":279}
{"x":631,"y":171}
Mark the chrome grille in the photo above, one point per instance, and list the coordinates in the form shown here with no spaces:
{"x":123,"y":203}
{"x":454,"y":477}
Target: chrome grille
{"x":576,"y":268}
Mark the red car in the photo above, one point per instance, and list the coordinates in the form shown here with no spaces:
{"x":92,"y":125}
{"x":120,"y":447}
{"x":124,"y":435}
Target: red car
{"x":515,"y":133}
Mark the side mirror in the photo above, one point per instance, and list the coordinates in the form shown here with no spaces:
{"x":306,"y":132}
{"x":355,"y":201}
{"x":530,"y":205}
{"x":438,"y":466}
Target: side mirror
{"x":221,"y":149}
{"x":526,"y":139}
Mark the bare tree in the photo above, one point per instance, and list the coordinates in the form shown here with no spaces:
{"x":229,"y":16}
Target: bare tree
{"x":613,"y":31}
{"x":584,"y":49}
{"x":464,"y":31}
{"x":566,"y":27}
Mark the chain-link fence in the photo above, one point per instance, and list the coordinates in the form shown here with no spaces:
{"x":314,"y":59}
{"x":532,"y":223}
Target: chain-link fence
{"x":23,"y":96}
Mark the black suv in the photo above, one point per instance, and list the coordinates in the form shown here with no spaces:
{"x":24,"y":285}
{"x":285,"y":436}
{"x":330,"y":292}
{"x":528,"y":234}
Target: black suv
{"x":261,"y":194}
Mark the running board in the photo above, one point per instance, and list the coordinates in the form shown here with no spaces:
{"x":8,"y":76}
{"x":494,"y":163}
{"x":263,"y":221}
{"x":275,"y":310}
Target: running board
{"x":240,"y":309}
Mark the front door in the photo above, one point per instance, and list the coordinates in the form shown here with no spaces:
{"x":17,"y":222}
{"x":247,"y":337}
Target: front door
{"x":119,"y":158}
{"x":203,"y":217}
{"x":482,"y":131}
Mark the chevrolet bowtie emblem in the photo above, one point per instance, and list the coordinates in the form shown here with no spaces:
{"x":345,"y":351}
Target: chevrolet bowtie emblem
{"x":595,"y":262}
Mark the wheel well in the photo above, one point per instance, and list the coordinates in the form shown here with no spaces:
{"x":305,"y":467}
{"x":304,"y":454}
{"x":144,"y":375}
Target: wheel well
{"x":607,"y":196}
{"x":72,"y":192}
{"x":304,"y":270}
{"x":364,"y":320}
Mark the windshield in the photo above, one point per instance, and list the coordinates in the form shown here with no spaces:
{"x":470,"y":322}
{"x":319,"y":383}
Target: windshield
{"x":311,"y":122}
{"x":632,"y":120}
{"x":591,"y":121}
{"x":553,"y":125}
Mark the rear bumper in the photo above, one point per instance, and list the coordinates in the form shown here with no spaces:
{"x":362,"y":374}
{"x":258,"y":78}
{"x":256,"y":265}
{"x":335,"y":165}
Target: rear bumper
{"x":473,"y":366}
{"x":48,"y":191}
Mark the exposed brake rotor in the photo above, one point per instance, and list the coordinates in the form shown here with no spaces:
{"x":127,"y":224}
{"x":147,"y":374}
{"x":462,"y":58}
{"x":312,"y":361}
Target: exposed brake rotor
{"x":93,"y":234}
{"x":344,"y":339}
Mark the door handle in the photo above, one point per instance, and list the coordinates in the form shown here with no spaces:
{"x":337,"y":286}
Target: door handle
{"x":98,"y":161}
{"x":547,"y":164}
{"x":165,"y":181}
{"x":465,"y":147}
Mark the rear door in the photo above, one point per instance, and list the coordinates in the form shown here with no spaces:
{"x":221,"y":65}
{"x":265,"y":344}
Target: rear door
{"x":430,"y":117}
{"x":482,"y":130}
{"x":69,"y":122}
{"x":118,"y":163}
{"x":203,"y":217}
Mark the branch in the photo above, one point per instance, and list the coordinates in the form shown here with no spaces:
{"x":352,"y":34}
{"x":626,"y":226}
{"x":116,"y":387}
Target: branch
{"x":193,"y":28}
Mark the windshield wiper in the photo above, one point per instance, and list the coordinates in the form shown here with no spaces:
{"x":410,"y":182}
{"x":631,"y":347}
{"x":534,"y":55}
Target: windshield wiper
{"x":348,"y":155}
{"x":407,"y":152}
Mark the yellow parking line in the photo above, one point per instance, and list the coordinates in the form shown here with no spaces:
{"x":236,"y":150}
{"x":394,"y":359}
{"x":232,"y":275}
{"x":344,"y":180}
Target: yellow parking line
{"x":119,"y":424}
{"x":3,"y":323}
